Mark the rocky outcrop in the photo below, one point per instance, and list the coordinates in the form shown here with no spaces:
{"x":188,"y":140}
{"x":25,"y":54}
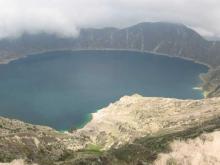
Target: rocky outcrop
{"x":164,"y":38}
{"x":19,"y":140}
{"x":203,"y":150}
{"x":134,"y":129}
{"x":10,"y":126}
{"x":133,"y":117}
{"x":211,"y":84}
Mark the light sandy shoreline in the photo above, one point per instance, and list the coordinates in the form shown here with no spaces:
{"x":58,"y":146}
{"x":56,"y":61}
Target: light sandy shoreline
{"x":204,"y":93}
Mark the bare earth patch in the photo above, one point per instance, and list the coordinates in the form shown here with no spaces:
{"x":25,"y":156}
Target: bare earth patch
{"x":203,"y":150}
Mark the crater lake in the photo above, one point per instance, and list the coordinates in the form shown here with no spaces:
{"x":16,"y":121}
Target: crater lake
{"x":61,"y":89}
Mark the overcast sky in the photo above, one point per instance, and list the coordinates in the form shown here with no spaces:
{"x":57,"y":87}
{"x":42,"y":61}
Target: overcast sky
{"x":66,"y":17}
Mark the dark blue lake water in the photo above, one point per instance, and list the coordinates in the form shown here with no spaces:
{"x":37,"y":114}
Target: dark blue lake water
{"x":61,"y":89}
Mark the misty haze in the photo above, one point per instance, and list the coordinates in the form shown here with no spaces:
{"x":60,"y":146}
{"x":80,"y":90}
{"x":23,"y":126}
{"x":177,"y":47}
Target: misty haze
{"x":106,"y":82}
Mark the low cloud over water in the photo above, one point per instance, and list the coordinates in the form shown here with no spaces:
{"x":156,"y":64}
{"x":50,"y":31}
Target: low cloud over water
{"x":65,"y":18}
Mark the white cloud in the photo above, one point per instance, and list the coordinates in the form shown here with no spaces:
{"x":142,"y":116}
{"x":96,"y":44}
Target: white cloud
{"x":66,"y":17}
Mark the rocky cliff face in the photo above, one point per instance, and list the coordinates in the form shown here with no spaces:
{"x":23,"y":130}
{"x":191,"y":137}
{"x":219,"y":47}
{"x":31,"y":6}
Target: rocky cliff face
{"x":132,"y":130}
{"x":212,"y":82}
{"x":135,"y":116}
{"x":163,"y":38}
